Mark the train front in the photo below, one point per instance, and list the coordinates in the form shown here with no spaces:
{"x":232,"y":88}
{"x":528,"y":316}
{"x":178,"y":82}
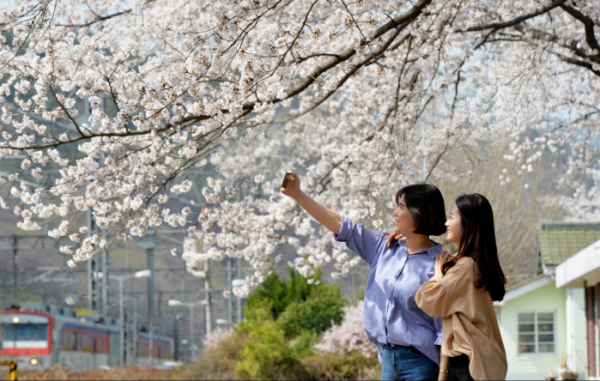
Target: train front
{"x":26,"y":337}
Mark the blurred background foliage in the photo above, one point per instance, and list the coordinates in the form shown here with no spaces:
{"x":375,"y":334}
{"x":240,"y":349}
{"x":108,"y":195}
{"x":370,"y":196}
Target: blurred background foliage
{"x":285,"y":319}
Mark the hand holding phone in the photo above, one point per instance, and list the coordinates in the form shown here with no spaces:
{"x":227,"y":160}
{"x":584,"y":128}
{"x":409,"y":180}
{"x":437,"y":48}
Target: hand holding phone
{"x":286,"y":179}
{"x":290,"y":186}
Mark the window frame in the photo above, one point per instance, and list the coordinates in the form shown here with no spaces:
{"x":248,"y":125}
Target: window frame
{"x":536,"y":334}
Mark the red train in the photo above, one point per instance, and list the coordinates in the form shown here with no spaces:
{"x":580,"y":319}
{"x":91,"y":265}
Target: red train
{"x":39,"y":339}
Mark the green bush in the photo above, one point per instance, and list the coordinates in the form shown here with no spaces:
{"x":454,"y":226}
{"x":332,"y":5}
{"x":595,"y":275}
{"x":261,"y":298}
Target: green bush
{"x":302,"y":345}
{"x":279,"y":294}
{"x":267,"y":355}
{"x":315,"y":314}
{"x":297,"y":305}
{"x":284,"y":320}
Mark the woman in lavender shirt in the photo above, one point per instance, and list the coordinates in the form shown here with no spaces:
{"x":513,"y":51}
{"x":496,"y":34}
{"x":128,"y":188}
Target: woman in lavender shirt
{"x":407,"y":339}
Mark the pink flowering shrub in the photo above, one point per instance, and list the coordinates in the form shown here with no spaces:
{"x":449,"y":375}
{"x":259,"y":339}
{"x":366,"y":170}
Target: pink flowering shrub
{"x":349,"y":335}
{"x":217,"y":336}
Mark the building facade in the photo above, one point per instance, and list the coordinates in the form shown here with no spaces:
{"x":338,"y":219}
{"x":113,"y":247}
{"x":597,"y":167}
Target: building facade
{"x":542,"y":318}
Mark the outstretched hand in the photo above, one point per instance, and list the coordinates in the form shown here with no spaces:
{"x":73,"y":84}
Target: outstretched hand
{"x":292,"y":188}
{"x":392,"y":237}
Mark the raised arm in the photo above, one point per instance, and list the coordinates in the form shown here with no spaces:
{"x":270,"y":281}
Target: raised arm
{"x":325,"y":216}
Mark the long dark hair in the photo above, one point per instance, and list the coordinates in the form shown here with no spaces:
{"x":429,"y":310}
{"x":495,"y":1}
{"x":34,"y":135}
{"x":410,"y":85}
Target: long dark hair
{"x":479,"y":242}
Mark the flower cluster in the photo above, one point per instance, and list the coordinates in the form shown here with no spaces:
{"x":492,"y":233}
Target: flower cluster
{"x":114,"y":108}
{"x":217,"y":336}
{"x":348,"y":336}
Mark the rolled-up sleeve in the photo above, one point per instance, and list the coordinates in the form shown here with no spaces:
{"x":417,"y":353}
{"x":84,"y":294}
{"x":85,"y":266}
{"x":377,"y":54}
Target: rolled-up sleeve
{"x":364,"y":242}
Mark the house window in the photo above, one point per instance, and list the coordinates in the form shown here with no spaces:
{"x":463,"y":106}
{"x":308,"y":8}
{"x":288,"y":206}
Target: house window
{"x":536,"y":332}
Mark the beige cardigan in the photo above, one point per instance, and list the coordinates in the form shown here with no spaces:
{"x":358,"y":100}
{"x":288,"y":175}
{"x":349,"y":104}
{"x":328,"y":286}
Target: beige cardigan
{"x":470,"y":323}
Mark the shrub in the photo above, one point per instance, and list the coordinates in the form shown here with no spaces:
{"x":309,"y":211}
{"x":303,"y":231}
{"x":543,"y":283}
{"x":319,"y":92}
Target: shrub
{"x":316,"y":314}
{"x":302,"y":345}
{"x":349,"y":366}
{"x":278,"y":294}
{"x":267,"y":355}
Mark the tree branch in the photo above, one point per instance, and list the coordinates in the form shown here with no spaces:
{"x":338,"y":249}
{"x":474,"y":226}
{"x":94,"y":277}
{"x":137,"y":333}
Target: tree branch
{"x":590,"y":37}
{"x":518,"y":20}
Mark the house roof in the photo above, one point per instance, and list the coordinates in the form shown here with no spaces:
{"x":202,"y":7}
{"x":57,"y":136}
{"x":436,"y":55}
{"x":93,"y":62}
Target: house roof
{"x":561,"y":240}
{"x":524,"y":282}
{"x":525,"y":287}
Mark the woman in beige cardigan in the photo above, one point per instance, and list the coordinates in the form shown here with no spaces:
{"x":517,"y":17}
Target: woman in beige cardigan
{"x":462,"y":292}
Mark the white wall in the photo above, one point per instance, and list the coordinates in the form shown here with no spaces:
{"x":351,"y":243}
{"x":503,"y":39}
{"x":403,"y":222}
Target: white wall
{"x":533,"y":366}
{"x":570,"y":331}
{"x":576,"y":331}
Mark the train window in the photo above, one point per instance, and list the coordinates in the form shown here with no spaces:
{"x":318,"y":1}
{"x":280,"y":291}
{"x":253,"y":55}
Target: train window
{"x":24,"y":335}
{"x":98,"y":340}
{"x":167,"y":351}
{"x":85,"y":342}
{"x":68,"y":340}
{"x":143,"y":349}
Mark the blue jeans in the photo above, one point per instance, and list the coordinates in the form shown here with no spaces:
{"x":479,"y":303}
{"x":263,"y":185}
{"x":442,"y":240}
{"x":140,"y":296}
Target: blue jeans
{"x":406,"y":363}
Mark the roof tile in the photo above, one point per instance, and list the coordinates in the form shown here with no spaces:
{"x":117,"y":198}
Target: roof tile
{"x":561,"y":240}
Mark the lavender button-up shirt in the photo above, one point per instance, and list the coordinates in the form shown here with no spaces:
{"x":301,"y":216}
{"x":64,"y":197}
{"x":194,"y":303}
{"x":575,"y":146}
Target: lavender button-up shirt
{"x":391,"y":313}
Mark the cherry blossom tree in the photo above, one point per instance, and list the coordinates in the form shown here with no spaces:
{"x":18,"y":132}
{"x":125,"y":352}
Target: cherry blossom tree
{"x":126,"y":99}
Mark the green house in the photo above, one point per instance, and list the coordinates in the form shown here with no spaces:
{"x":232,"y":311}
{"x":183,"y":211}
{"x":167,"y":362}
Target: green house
{"x":541,"y":323}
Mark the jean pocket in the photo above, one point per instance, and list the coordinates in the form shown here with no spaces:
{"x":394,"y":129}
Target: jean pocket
{"x":416,"y":353}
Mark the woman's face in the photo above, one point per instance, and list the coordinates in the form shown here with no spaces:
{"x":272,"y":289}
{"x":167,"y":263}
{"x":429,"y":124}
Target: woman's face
{"x":454,"y":229}
{"x":403,"y":221}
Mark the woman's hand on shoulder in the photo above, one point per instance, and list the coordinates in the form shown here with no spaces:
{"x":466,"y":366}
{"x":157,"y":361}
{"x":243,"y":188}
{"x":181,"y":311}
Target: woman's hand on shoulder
{"x":392,"y":237}
{"x":440,"y":259}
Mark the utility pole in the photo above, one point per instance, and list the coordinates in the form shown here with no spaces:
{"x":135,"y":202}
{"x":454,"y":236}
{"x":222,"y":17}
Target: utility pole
{"x":105,"y":283}
{"x":207,"y":298}
{"x":148,"y":242}
{"x":135,"y":330}
{"x":121,"y":279}
{"x":230,"y":299}
{"x":122,"y":321}
{"x":91,"y":266}
{"x":15,"y":271}
{"x":176,"y":340}
{"x":150,"y":253}
{"x":239,"y":300}
{"x":91,"y":284}
{"x":193,"y":347}
{"x":160,"y":311}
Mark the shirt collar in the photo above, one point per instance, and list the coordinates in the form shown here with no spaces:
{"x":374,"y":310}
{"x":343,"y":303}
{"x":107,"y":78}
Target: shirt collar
{"x":432,"y":251}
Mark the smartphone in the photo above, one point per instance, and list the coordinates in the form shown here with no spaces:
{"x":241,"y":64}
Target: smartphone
{"x":285,"y":180}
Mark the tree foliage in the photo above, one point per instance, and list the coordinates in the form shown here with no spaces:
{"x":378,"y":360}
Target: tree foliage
{"x":278,"y":294}
{"x":115,"y":107}
{"x":297,"y":305}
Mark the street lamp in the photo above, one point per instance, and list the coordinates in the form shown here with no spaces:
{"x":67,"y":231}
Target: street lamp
{"x":176,"y":303}
{"x":121,"y":278}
